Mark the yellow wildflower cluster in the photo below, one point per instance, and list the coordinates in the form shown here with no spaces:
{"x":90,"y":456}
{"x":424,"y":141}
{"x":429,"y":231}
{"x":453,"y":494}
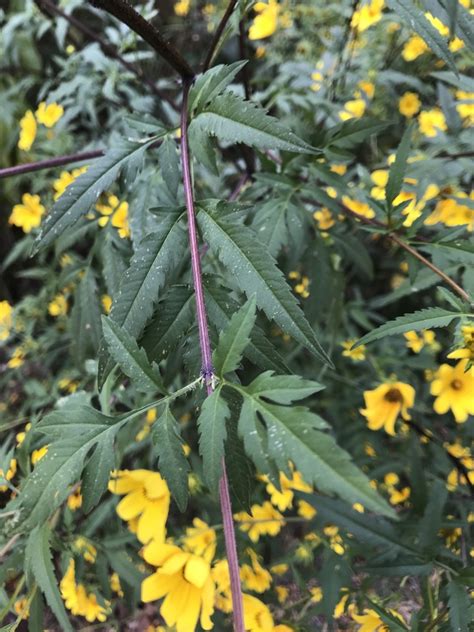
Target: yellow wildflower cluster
{"x":78,"y":600}
{"x":416,"y":46}
{"x":431,"y":122}
{"x":455,"y":477}
{"x":28,"y":214}
{"x":336,"y":542}
{"x":465,"y":107}
{"x":6,"y":319}
{"x":182,"y":7}
{"x":397,"y":496}
{"x":370,"y":621}
{"x":324,"y":218}
{"x":357,"y":207}
{"x":47,"y":115}
{"x":8,"y":475}
{"x":385,"y":403}
{"x":409,"y":104}
{"x":65,"y":179}
{"x":416,"y":342}
{"x":452,"y":212}
{"x":263,"y":520}
{"x":302,"y":283}
{"x":117,"y":212}
{"x":58,"y":306}
{"x":357,"y":354}
{"x":270,"y":16}
{"x":467,"y":350}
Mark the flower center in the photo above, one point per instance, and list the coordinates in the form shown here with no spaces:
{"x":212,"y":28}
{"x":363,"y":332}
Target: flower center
{"x":393,"y":396}
{"x":456,"y":385}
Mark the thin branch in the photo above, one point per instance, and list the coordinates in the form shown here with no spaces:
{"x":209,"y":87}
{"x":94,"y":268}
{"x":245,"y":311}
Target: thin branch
{"x":123,"y":11}
{"x":50,"y":163}
{"x":243,"y":55}
{"x":217,"y":35}
{"x":107,"y":48}
{"x":207,"y":369}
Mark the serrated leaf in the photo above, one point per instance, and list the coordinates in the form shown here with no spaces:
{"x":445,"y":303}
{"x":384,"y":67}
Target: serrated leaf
{"x":234,"y":339}
{"x":256,"y":272}
{"x":397,"y":170}
{"x":85,"y":319}
{"x":168,"y":160}
{"x":417,"y":20}
{"x":130,"y":357}
{"x":230,"y":118}
{"x":459,"y":607}
{"x":212,"y":436}
{"x":173,"y":465}
{"x":156,"y":257}
{"x":423,"y":319}
{"x":173,"y":317}
{"x":212,"y":83}
{"x":294,"y":434}
{"x":452,"y":250}
{"x":353,"y":131}
{"x":79,"y":197}
{"x":38,"y":560}
{"x":202,"y":148}
{"x":283,"y":389}
{"x":220,"y":307}
{"x":97,"y":473}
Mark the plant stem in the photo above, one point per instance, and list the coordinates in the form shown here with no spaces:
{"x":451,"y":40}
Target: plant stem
{"x":124,"y":11}
{"x":217,"y":35}
{"x":207,"y":369}
{"x":50,"y":163}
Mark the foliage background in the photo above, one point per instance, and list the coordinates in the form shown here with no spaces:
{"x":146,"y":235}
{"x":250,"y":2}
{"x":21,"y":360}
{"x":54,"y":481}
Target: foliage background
{"x":340,"y":83}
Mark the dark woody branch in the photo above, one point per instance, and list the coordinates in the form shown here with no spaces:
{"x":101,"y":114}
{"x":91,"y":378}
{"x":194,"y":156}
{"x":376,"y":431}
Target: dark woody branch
{"x":124,"y":12}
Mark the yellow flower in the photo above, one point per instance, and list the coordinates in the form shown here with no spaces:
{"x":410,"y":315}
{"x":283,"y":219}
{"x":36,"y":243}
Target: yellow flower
{"x":27,"y":131}
{"x":65,"y":179}
{"x":146,"y":497}
{"x":6,"y":319}
{"x":316,"y":594}
{"x":185,"y":581}
{"x":28,"y":214}
{"x":279,"y":569}
{"x":86,"y":548}
{"x":353,"y":109}
{"x":367,"y":87}
{"x":453,"y":388}
{"x":106,"y":301}
{"x":468,"y":350}
{"x":201,"y":539}
{"x":399,"y":496}
{"x":409,"y":104}
{"x":451,"y":213}
{"x":115,"y":585}
{"x":9,"y":474}
{"x":358,"y":507}
{"x":264,"y":520}
{"x":181,"y":8}
{"x":339,"y":169}
{"x":415,"y":47}
{"x":74,"y":500}
{"x":78,"y":601}
{"x":258,"y":618}
{"x":58,"y":306}
{"x":266,"y":22}
{"x":305,"y":510}
{"x":284,"y":499}
{"x":17,"y":358}
{"x":49,"y":115}
{"x":416,"y":342}
{"x":20,"y":437}
{"x":368,"y":15}
{"x":380,"y":178}
{"x":370,"y":621}
{"x":341,"y":604}
{"x":385,"y":403}
{"x":282,"y":594}
{"x":324,"y":218}
{"x":38,"y":454}
{"x":21,"y":607}
{"x":357,"y":354}
{"x":66,"y":384}
{"x":359,"y":208}
{"x":119,"y":212}
{"x":431,"y":122}
{"x":255,"y":577}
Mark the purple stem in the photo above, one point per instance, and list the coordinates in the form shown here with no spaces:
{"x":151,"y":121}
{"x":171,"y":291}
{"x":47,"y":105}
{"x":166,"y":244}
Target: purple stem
{"x":50,"y":163}
{"x":207,"y":369}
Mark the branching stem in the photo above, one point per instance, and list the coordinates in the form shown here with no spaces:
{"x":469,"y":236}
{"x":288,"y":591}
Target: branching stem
{"x":217,"y":35}
{"x":207,"y":369}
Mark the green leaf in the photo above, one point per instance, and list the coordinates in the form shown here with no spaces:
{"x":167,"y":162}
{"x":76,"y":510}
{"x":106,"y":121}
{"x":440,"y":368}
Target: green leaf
{"x":220,"y":307}
{"x":283,"y":389}
{"x":423,"y":319}
{"x":234,"y":339}
{"x":240,"y":469}
{"x":173,"y":465}
{"x":461,"y":251}
{"x":38,"y":560}
{"x":173,"y":317}
{"x":273,"y":223}
{"x":130,"y":357}
{"x":168,"y":160}
{"x":416,"y":19}
{"x":256,"y":272}
{"x":460,"y":607}
{"x":395,"y":625}
{"x":294,"y":434}
{"x":212,"y":83}
{"x":85,"y":319}
{"x":202,"y":148}
{"x":97,"y":472}
{"x":234,"y":120}
{"x":397,"y":171}
{"x":212,"y":436}
{"x":353,"y":131}
{"x":158,"y":254}
{"x":82,"y":194}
